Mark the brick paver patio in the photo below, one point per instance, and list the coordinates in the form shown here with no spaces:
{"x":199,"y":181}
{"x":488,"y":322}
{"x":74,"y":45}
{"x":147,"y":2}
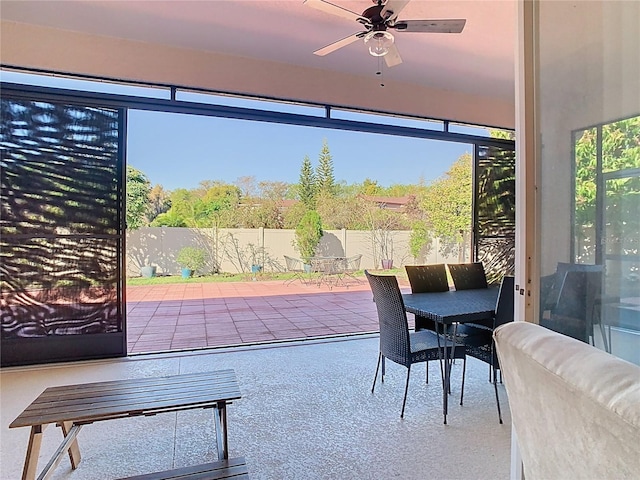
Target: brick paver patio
{"x":199,"y":315}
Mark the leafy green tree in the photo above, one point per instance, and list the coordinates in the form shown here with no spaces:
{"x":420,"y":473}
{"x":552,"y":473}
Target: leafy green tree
{"x":138,"y":189}
{"x":419,"y":238}
{"x":340,"y":212}
{"x":168,"y":219}
{"x":307,"y":184}
{"x":159,"y":202}
{"x":294,"y":214}
{"x":325,"y":180}
{"x":370,"y":187}
{"x":620,"y":152}
{"x":505,"y":134}
{"x":308,"y":234}
{"x":217,"y":206}
{"x":263,"y":213}
{"x":182,"y":209}
{"x":223,"y":193}
{"x":399,"y":190}
{"x":447,"y":202}
{"x":207,"y":206}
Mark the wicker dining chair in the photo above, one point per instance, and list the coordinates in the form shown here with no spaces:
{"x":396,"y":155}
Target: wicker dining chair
{"x":426,"y":279}
{"x":467,"y":276}
{"x":478,"y":338}
{"x":396,"y":342}
{"x":573,"y":301}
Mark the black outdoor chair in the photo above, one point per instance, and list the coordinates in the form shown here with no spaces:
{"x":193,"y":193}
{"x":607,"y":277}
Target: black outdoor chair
{"x":467,"y":276}
{"x":426,"y":279}
{"x":396,"y":342}
{"x":551,"y":285}
{"x":573,"y":301}
{"x":478,"y":337}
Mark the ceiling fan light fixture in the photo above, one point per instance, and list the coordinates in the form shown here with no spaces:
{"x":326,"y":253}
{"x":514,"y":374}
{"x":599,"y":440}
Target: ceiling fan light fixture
{"x":378,"y":42}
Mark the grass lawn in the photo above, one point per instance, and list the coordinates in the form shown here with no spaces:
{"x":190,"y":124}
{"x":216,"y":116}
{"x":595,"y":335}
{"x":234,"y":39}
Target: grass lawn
{"x":232,"y":277}
{"x":221,"y":277}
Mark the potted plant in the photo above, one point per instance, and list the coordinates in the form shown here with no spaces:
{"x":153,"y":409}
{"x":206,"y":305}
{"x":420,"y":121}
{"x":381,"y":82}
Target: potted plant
{"x":386,"y":249}
{"x":191,"y":259}
{"x":308,"y":234}
{"x":257,"y":258}
{"x":148,"y":271}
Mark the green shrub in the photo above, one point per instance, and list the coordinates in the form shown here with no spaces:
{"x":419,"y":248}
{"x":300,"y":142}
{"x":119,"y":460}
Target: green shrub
{"x":308,"y":234}
{"x":193,"y":258}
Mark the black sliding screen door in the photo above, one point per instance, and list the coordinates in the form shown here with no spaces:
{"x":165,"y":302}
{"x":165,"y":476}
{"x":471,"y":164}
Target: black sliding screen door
{"x":495,"y":210}
{"x":62,"y":230}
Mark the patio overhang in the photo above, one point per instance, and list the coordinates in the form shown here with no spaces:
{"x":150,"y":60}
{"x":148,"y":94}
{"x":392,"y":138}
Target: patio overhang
{"x":466,"y":78}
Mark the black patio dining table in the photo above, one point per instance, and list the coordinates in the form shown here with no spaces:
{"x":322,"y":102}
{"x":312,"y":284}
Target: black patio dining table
{"x":451,"y":308}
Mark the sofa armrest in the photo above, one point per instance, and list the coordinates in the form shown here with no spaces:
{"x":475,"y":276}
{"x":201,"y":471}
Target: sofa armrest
{"x":575,"y":409}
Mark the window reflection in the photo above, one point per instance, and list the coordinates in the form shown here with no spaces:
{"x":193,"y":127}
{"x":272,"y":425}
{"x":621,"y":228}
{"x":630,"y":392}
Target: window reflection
{"x":606,"y":227}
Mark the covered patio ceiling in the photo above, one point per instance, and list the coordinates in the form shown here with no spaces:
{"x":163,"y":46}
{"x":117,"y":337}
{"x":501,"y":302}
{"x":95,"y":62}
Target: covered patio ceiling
{"x":266,"y":48}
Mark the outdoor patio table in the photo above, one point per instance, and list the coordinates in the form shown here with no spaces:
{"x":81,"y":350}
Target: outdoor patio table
{"x":450,"y":308}
{"x":331,"y":269}
{"x":72,"y":406}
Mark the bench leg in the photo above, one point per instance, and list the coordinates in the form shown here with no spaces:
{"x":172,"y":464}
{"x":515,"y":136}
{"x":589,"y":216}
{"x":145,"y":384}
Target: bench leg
{"x":33,"y":452}
{"x":220,"y":419}
{"x":69,"y":439}
{"x":74,"y":450}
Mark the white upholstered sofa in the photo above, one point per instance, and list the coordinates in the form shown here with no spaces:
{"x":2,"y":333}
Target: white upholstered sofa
{"x":575,"y":409}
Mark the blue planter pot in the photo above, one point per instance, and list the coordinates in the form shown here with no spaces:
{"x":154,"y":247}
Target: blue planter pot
{"x":148,"y":271}
{"x":256,"y":268}
{"x":186,"y":273}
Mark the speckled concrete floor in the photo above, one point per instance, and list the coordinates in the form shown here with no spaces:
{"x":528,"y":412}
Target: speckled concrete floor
{"x":306,"y":412}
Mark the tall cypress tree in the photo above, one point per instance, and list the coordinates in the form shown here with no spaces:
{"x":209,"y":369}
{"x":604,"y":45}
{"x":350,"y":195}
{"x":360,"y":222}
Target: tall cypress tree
{"x":307,"y":185}
{"x":325,"y":180}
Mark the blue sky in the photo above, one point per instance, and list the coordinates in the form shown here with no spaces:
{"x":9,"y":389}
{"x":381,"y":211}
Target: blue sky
{"x":178,"y":151}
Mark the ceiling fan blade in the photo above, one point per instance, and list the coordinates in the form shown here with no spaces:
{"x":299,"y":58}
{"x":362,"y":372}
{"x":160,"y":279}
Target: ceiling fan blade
{"x":431,"y":26}
{"x":392,"y":9}
{"x":335,"y":10}
{"x":332,"y":47}
{"x":392,"y":58}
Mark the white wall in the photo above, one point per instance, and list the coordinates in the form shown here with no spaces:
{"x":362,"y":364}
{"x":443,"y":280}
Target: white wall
{"x":159,"y":246}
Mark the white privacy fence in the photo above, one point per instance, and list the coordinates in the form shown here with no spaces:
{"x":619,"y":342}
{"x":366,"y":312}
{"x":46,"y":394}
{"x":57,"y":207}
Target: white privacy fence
{"x":234,"y":250}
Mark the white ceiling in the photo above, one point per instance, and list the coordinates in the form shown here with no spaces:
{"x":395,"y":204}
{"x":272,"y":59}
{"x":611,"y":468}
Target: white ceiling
{"x":479,"y":61}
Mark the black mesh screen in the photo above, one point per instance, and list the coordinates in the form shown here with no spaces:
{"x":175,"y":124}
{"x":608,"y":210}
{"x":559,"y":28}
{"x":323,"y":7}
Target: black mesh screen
{"x":61,"y":236}
{"x":495,"y":211}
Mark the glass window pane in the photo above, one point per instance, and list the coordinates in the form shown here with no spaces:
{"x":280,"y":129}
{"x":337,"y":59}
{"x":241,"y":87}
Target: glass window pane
{"x":621,"y":145}
{"x":585,"y":196}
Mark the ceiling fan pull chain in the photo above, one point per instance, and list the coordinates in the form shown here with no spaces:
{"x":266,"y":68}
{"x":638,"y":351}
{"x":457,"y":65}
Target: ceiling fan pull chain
{"x":380,"y":71}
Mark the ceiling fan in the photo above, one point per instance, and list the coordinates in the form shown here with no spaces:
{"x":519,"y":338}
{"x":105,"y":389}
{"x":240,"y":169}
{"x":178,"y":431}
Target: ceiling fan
{"x":376,"y":20}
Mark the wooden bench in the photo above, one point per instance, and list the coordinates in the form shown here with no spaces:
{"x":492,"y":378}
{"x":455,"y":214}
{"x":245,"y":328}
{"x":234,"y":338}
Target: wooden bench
{"x":72,"y":406}
{"x":234,"y":468}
